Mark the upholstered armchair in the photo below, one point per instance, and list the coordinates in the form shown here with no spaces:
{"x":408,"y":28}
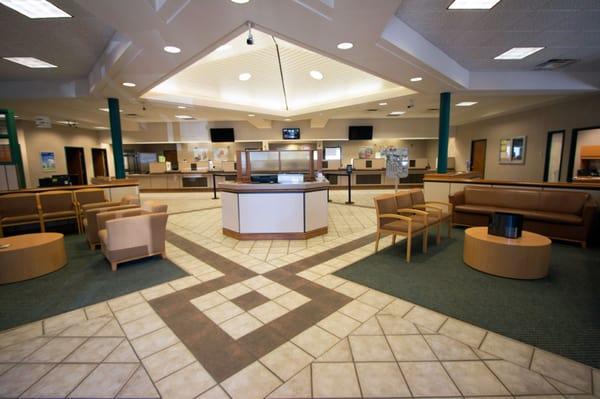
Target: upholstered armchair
{"x":18,"y":209}
{"x":90,"y":222}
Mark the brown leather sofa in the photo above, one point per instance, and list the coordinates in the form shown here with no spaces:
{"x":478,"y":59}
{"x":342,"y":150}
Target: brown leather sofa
{"x":564,"y":215}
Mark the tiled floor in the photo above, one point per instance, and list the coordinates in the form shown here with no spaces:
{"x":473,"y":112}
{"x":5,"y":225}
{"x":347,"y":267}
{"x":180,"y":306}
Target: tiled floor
{"x":268,"y":319}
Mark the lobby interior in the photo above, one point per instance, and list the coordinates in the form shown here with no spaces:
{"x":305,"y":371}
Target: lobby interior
{"x":299,"y":199}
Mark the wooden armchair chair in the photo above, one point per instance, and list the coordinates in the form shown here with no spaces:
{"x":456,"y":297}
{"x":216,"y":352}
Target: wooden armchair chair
{"x":437,"y":210}
{"x":90,"y":198}
{"x":391,"y":222}
{"x":57,"y":205}
{"x":18,"y":209}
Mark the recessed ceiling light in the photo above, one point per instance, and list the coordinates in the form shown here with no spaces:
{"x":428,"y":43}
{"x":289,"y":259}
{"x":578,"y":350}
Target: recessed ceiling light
{"x":518,"y":53}
{"x":382,"y":103}
{"x":35,"y":8}
{"x":345,"y":46}
{"x":416,"y":79}
{"x":181,"y":107}
{"x":172,"y":49}
{"x":240,"y":1}
{"x":466,"y":103}
{"x":128,"y":84}
{"x":472,"y":4}
{"x":395,"y":113}
{"x":287,"y":119}
{"x":244,"y":76}
{"x":251,"y":115}
{"x":101,"y":127}
{"x":30,"y":62}
{"x":223,"y":47}
{"x":184,"y":117}
{"x":106,"y":109}
{"x":316,"y":75}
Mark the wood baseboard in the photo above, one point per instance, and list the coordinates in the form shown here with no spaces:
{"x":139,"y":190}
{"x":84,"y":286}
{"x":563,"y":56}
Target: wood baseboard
{"x":274,"y":236}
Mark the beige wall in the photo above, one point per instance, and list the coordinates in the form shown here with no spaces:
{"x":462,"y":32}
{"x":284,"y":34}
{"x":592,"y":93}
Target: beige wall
{"x":535,"y":124}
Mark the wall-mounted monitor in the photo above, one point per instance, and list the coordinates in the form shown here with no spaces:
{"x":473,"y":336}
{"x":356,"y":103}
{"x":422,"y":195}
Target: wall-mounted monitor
{"x":222,"y":135}
{"x":360,"y":132}
{"x":291,"y":133}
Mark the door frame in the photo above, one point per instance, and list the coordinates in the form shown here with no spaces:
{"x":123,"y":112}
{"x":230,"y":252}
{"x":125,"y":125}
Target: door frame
{"x":83,"y":166}
{"x":548,"y":147}
{"x":573,"y":150}
{"x":484,"y":155}
{"x":105,"y":160}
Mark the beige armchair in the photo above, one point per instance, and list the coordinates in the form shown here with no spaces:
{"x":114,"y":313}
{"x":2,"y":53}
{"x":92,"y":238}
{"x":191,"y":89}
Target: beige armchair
{"x":90,"y":222}
{"x":90,"y":198}
{"x":57,"y":205}
{"x":134,"y":234}
{"x":18,"y":209}
{"x":391,"y":222}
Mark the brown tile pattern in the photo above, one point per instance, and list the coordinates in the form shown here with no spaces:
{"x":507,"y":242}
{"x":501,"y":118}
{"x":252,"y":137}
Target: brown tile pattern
{"x":221,"y":355}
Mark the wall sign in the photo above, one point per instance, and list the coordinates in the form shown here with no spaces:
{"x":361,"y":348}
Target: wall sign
{"x":512,"y":151}
{"x":48,"y":161}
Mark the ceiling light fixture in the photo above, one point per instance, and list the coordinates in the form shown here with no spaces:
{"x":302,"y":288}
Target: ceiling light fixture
{"x":396,"y":113}
{"x":128,"y":84}
{"x":473,"y":4}
{"x":466,"y":103}
{"x":345,"y":46}
{"x":316,"y":75}
{"x":181,"y":107}
{"x":106,"y":109}
{"x":172,"y":49}
{"x":416,"y":79}
{"x":244,"y":76}
{"x":184,"y":117}
{"x":101,"y":127}
{"x":223,"y":47}
{"x":30,"y":62}
{"x":240,"y":1}
{"x":382,"y":103}
{"x":35,"y":8}
{"x":251,"y":115}
{"x":287,"y":119}
{"x":518,"y":53}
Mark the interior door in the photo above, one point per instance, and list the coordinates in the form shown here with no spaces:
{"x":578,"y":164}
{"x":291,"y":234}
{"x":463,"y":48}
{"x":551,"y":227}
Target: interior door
{"x":100,"y":162}
{"x":171,"y":156}
{"x":76,"y":164}
{"x":554,"y":150}
{"x":478,"y":148}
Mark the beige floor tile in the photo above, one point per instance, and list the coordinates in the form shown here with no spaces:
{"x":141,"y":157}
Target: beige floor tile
{"x":292,"y":300}
{"x":351,"y":289}
{"x":122,"y":354}
{"x":224,"y":311}
{"x":59,"y":381}
{"x":154,"y":342}
{"x":330,"y":281}
{"x":596,"y":381}
{"x":214,"y":393}
{"x":240,"y":325}
{"x":339,"y":353}
{"x":370,"y":327}
{"x":507,"y":349}
{"x":376,"y":299}
{"x":286,"y":360}
{"x":298,"y":387}
{"x":234,"y":290}
{"x":370,"y":349}
{"x":97,"y":310}
{"x":315,"y":340}
{"x":428,"y":379}
{"x":449,"y":349}
{"x":20,"y":334}
{"x":5,"y":366}
{"x":310,"y":276}
{"x":184,"y":282}
{"x":54,"y":351}
{"x":358,"y":310}
{"x":134,"y":312}
{"x":563,"y":388}
{"x":273,"y":290}
{"x":253,"y":382}
{"x":473,"y":378}
{"x":396,"y":325}
{"x":143,"y":326}
{"x":208,"y":301}
{"x":139,"y":386}
{"x":157,"y":291}
{"x":563,"y":370}
{"x":484,"y":355}
{"x":426,"y":318}
{"x":16,"y":380}
{"x":257,"y":282}
{"x":110,"y":329}
{"x":168,"y":361}
{"x":339,"y":324}
{"x":186,"y":383}
{"x":335,"y":380}
{"x":210,"y":276}
{"x":86,"y":328}
{"x":94,"y":350}
{"x":125,"y":301}
{"x":519,"y":380}
{"x":409,"y":348}
{"x":17,"y":352}
{"x":268,"y":311}
{"x":463,"y":332}
{"x":381,"y":380}
{"x":56,"y":324}
{"x":105,"y":381}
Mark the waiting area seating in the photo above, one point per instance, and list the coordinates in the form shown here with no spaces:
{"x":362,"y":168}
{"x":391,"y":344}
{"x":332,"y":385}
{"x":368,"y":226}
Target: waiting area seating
{"x":408,"y":214}
{"x":564,"y":215}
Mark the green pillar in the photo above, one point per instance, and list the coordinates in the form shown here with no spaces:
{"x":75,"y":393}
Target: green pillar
{"x":444,"y":133}
{"x":13,"y":144}
{"x":117,"y":138}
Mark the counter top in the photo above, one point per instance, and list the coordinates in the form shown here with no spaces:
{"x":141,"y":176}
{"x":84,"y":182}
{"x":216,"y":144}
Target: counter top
{"x":593,"y":185}
{"x":234,"y":187}
{"x":178,"y":172}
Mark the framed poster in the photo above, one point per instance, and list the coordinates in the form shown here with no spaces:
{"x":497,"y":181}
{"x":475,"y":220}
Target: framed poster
{"x":512,"y":151}
{"x":366,"y":152}
{"x":200,"y":154}
{"x":48,"y":161}
{"x":220,"y":154}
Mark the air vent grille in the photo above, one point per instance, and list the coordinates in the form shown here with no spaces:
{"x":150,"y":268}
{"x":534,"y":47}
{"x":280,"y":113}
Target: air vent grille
{"x":554,"y":63}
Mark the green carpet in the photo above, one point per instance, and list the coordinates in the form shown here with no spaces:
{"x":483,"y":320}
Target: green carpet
{"x":560,"y":313}
{"x":85,"y":280}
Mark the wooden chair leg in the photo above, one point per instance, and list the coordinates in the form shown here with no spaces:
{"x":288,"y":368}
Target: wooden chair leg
{"x":450,"y":228}
{"x":393,"y":239}
{"x":42,"y":226}
{"x":438,"y":238}
{"x":408,"y":247}
{"x":425,"y":239}
{"x":113,"y":266}
{"x":377,"y":241}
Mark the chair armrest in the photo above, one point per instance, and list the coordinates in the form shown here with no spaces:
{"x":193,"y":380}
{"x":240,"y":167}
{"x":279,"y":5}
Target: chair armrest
{"x":589,"y":214}
{"x":433,"y":208}
{"x":457,"y":198}
{"x":447,"y":204}
{"x":412,"y":210}
{"x":394,"y":216}
{"x":103,"y":217}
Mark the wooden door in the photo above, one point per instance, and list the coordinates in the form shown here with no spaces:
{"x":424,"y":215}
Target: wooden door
{"x":100,"y":162}
{"x":171,"y":156}
{"x":76,"y":164}
{"x":478,"y":148}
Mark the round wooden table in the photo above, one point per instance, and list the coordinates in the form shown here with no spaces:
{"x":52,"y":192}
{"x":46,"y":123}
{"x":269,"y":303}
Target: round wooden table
{"x":527,"y":257}
{"x":31,"y":255}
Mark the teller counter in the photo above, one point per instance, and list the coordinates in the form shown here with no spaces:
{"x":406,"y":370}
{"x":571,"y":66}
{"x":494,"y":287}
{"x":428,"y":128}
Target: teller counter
{"x":274,"y":211}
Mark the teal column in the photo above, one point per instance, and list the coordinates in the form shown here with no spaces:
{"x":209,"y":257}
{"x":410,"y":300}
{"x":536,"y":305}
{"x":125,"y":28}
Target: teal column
{"x":13,"y":144}
{"x":444,"y":133}
{"x":117,"y":138}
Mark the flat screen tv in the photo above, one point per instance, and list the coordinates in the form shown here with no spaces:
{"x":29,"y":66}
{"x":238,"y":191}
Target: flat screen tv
{"x":360,"y":132}
{"x":222,"y":135}
{"x":291,"y":133}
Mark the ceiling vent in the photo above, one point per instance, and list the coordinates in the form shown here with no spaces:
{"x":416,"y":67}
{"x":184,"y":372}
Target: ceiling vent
{"x":131,"y":115}
{"x":432,"y":109}
{"x":372,"y":110}
{"x":554,"y":63}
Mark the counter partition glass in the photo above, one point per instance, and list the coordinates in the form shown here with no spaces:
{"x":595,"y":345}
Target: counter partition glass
{"x":274,"y":162}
